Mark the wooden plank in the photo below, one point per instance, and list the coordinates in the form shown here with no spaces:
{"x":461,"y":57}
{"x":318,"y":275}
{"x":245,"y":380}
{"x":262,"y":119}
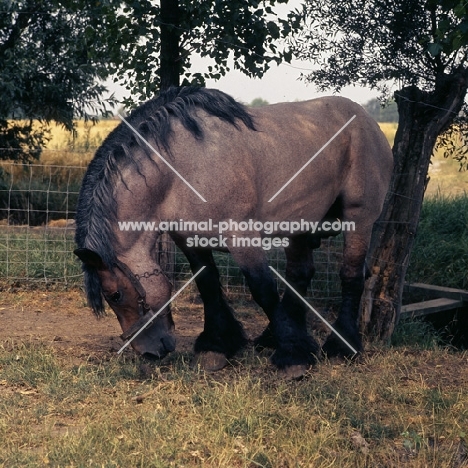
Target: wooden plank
{"x":439,"y":291}
{"x":430,"y":307}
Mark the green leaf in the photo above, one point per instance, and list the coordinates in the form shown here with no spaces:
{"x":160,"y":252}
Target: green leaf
{"x":274,"y":29}
{"x":457,"y":42}
{"x":434,"y":49}
{"x":460,"y":10}
{"x":444,"y":25}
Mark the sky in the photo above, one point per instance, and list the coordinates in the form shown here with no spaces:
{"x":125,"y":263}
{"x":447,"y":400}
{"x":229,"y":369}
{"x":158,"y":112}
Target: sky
{"x":280,"y":83}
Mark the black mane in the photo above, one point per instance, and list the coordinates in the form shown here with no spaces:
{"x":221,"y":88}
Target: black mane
{"x":96,"y":216}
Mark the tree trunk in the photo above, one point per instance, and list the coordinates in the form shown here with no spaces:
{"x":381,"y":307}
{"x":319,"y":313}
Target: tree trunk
{"x":422,"y":118}
{"x":169,"y":71}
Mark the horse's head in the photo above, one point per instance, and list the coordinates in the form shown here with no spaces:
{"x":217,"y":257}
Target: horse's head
{"x":133,"y":298}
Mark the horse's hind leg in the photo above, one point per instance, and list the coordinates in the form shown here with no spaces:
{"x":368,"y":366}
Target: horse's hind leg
{"x":222,"y":335}
{"x":352,"y":284}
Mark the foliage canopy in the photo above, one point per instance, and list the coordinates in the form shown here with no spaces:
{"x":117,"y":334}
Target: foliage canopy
{"x":246,"y":31}
{"x":55,"y":54}
{"x":385,"y":45}
{"x":46,"y":73}
{"x":375,"y":42}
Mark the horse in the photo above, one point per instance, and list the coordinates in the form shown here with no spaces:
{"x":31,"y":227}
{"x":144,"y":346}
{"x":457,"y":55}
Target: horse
{"x":197,"y":155}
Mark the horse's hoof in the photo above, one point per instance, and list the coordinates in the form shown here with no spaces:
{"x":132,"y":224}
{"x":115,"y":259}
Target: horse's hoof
{"x":265,"y":341}
{"x":337,"y":350}
{"x":209,"y":361}
{"x":334,"y":347}
{"x":294,"y":372}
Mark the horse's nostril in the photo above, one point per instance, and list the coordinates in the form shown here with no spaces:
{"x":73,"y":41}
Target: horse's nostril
{"x":151,"y":357}
{"x":168,"y":343}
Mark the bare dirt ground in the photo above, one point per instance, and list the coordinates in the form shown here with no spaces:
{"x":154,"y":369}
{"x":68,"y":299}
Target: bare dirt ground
{"x":63,"y":320}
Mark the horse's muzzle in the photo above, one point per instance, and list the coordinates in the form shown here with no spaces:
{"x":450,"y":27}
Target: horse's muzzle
{"x":167,"y":345}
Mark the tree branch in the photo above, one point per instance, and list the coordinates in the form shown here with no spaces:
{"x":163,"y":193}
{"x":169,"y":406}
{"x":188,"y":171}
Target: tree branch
{"x":23,"y":21}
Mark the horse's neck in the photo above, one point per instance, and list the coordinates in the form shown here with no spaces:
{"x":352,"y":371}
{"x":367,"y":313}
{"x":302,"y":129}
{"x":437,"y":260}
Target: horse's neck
{"x":137,"y":205}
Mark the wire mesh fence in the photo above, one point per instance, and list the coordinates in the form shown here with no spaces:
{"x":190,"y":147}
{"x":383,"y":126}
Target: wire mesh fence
{"x":325,"y":288}
{"x":37,"y":210}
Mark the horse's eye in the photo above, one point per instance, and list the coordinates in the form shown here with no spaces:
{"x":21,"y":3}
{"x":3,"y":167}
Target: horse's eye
{"x":115,"y":297}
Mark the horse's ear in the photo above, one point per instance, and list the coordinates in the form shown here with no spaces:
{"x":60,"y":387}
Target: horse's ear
{"x":90,"y":258}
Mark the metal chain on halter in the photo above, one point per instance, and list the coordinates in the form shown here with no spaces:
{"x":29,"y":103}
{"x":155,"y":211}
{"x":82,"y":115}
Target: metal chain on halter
{"x":143,"y":307}
{"x":147,"y":274}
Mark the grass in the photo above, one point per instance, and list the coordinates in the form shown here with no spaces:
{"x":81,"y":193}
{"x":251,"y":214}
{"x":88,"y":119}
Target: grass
{"x":447,"y":185}
{"x":445,"y":178}
{"x":440,"y":253}
{"x":398,"y":407}
{"x":35,"y":195}
{"x":389,"y":129}
{"x":445,"y":175}
{"x":77,"y":150}
{"x":39,"y":255}
{"x":439,"y":256}
{"x":38,"y":195}
{"x":65,"y":148}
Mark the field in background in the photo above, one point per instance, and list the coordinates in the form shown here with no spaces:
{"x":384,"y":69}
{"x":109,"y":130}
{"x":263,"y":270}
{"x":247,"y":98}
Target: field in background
{"x":67,"y":149}
{"x":445,"y":175}
{"x":40,"y":194}
{"x":64,"y":149}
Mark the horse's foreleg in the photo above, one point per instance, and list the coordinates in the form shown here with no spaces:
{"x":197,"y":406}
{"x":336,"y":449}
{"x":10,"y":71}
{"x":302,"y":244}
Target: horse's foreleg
{"x":352,"y":286}
{"x":295,"y":350}
{"x":222,"y":333}
{"x":254,"y":265}
{"x":295,"y":347}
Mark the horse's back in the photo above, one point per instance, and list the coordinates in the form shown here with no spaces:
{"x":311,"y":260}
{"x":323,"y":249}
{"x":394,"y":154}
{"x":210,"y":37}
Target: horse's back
{"x":348,"y":153}
{"x":239,"y":169}
{"x":320,"y":119}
